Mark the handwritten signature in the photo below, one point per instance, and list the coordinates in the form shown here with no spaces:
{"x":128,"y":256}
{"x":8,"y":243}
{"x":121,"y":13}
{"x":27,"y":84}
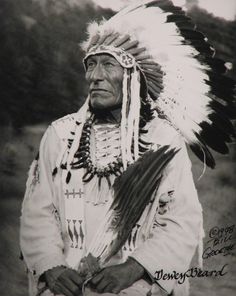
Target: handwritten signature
{"x":220,"y":242}
{"x":190,"y":273}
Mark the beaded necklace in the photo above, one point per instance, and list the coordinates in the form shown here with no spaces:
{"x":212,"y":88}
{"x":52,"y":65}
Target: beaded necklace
{"x":83,"y":159}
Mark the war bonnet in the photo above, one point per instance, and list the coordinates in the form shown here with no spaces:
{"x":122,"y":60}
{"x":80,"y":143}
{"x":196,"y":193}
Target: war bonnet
{"x":157,"y":45}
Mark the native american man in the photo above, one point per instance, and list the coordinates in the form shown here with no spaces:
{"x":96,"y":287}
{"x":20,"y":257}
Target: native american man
{"x":110,"y":199}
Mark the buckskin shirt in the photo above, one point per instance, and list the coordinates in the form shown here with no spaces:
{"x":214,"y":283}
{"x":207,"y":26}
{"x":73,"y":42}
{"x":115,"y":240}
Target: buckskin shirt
{"x":59,"y":220}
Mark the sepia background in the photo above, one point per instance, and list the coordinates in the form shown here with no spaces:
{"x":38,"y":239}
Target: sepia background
{"x":42,"y":78}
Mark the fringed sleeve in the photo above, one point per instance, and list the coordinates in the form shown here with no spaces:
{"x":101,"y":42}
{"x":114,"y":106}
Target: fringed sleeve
{"x":40,"y":234}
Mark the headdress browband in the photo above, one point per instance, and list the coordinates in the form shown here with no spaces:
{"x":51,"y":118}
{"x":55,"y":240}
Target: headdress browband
{"x":125,"y":59}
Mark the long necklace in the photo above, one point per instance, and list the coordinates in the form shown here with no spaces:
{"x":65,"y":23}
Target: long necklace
{"x":83,"y":159}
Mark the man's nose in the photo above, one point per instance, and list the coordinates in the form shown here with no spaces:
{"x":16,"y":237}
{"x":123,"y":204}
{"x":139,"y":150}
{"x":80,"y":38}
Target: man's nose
{"x":97,"y":73}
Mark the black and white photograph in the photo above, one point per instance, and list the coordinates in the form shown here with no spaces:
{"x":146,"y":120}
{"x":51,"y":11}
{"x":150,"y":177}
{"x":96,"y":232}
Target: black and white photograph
{"x":118,"y":147}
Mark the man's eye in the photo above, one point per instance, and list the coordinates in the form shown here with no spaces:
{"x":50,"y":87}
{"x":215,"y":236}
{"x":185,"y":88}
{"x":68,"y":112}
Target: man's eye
{"x":109,"y":64}
{"x":90,"y":65}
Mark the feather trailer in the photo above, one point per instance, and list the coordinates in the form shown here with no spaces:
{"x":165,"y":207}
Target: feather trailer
{"x":133,"y":191}
{"x":186,"y":83}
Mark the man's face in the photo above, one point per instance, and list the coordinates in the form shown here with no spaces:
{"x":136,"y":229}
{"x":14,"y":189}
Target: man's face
{"x":104,"y":75}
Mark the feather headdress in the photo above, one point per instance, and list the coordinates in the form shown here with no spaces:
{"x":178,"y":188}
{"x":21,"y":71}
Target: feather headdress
{"x":185,"y":82}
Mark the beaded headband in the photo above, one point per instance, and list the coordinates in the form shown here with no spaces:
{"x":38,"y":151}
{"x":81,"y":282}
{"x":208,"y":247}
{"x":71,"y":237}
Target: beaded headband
{"x":125,"y":59}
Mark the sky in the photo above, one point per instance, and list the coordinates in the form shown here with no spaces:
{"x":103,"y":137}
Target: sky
{"x":220,"y":8}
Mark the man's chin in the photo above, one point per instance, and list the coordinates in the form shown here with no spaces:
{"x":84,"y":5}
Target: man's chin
{"x":103,"y":107}
{"x":99,"y":103}
{"x":98,"y":106}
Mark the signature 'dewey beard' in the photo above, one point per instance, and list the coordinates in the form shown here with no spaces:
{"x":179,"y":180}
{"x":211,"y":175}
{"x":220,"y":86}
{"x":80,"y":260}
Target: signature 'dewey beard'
{"x":192,"y":272}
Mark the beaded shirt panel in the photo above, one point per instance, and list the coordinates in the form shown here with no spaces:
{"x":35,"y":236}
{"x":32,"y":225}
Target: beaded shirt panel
{"x":105,"y":144}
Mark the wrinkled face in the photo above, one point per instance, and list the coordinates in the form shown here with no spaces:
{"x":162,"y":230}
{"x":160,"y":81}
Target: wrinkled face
{"x":104,"y":75}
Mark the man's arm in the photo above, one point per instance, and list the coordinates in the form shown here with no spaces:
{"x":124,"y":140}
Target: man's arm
{"x":40,"y":233}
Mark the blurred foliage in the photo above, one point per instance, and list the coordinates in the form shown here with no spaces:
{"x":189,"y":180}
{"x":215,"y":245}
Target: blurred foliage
{"x":220,"y":33}
{"x":41,"y":71}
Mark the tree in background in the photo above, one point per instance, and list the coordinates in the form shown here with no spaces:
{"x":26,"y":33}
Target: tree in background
{"x":41,"y":72}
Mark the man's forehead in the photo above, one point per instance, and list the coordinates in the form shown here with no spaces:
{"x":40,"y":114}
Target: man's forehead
{"x":102,"y":57}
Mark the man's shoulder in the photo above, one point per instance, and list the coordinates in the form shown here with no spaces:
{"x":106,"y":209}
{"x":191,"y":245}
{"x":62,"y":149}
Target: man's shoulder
{"x":64,"y":120}
{"x":64,"y":125}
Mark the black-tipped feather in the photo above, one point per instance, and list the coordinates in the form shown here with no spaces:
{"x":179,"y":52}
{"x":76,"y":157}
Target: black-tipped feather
{"x":223,"y":124}
{"x":216,"y":64}
{"x":213,"y":138}
{"x":226,"y":112}
{"x":181,"y":20}
{"x":221,"y":119}
{"x":202,"y":47}
{"x":166,"y":6}
{"x":221,"y":86}
{"x":177,"y":18}
{"x":133,"y":191}
{"x":186,"y":25}
{"x":192,"y":35}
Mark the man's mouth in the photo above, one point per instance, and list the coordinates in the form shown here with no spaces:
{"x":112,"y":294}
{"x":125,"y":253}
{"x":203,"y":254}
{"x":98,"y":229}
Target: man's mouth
{"x":98,"y":90}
